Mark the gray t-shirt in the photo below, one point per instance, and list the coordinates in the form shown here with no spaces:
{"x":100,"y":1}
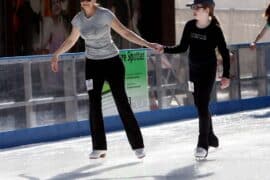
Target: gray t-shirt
{"x":96,"y":31}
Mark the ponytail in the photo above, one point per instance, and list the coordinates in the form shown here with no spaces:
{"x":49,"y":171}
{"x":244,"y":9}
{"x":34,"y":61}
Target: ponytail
{"x":215,"y":20}
{"x":211,"y":14}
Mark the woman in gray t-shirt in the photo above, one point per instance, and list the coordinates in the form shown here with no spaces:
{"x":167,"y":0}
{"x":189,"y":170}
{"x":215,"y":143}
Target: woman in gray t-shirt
{"x":103,"y":63}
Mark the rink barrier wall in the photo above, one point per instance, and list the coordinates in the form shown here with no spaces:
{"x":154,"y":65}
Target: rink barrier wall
{"x":113,"y":123}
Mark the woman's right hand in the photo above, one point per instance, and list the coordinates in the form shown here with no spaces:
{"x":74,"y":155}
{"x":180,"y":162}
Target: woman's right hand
{"x":54,"y":63}
{"x":224,"y":83}
{"x":252,"y":46}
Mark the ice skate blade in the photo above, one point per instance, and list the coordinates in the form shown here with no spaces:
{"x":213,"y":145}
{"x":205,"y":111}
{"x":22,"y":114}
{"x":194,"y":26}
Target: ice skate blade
{"x":141,"y":157}
{"x":102,"y":156}
{"x":200,"y":158}
{"x":97,"y":154}
{"x":139,"y":153}
{"x":200,"y":153}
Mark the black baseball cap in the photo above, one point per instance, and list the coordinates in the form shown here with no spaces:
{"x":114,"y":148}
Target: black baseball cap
{"x":210,"y":2}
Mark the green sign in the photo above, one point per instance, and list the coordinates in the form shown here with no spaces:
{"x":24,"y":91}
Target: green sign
{"x":135,"y":62}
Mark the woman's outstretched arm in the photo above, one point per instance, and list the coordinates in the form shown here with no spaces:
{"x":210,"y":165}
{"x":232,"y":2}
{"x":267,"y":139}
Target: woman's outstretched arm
{"x":66,"y":45}
{"x":126,"y":33}
{"x":259,"y":36}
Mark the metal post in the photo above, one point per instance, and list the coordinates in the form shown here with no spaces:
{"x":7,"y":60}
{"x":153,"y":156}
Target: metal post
{"x":160,"y":91}
{"x":235,"y":91}
{"x":261,"y":71}
{"x":69,"y":74}
{"x":235,"y":88}
{"x":30,"y":114}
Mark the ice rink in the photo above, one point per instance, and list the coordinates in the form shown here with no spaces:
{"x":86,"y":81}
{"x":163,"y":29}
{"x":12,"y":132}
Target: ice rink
{"x":244,"y":154}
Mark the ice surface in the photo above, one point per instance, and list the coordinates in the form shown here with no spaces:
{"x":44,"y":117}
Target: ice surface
{"x":244,"y":153}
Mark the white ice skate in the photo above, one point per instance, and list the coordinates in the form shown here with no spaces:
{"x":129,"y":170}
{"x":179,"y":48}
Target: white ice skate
{"x":139,"y":153}
{"x":96,"y":154}
{"x":200,"y":153}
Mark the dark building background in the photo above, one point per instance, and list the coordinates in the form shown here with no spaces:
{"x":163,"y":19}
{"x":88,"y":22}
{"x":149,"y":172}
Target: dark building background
{"x":22,"y":27}
{"x":158,"y":21}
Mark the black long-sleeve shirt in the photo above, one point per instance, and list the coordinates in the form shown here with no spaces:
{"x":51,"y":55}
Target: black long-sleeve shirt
{"x":202,"y":43}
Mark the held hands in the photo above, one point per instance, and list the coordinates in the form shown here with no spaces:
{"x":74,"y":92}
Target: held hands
{"x":54,"y":63}
{"x":224,"y":83}
{"x":156,"y":47}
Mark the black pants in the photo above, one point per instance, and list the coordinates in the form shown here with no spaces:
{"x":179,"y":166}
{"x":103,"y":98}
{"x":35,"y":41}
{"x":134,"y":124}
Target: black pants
{"x":203,"y":76}
{"x":111,"y":70}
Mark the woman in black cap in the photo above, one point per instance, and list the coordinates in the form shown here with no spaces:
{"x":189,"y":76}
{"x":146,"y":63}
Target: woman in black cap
{"x":265,"y":28}
{"x":202,"y":35}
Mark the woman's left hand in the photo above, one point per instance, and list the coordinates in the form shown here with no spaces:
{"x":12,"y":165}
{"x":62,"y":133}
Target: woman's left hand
{"x":224,"y":83}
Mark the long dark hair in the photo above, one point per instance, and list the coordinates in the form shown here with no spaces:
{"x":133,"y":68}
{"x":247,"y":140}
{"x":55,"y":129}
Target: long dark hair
{"x":267,"y":14}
